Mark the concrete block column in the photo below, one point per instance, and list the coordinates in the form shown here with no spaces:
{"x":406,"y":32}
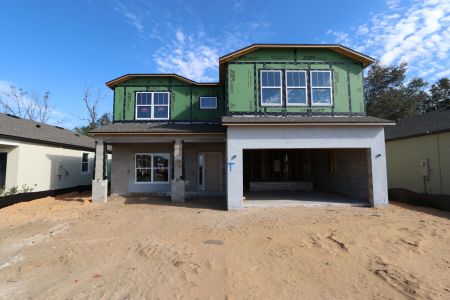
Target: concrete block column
{"x":379,"y":171}
{"x":99,"y":184}
{"x":235,"y":186}
{"x":178,"y":186}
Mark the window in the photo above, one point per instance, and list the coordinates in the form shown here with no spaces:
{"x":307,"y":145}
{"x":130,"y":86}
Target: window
{"x":208,"y":102}
{"x":271,"y":88}
{"x":152,"y":106}
{"x":321,"y":93}
{"x":85,"y":163}
{"x":152,"y":168}
{"x":296,"y":88}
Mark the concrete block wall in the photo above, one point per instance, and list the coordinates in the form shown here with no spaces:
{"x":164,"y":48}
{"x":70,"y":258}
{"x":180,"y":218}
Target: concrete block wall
{"x":123,"y":166}
{"x":352,"y":173}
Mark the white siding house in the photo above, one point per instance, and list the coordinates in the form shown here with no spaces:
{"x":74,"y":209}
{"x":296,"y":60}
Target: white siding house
{"x":43,"y":157}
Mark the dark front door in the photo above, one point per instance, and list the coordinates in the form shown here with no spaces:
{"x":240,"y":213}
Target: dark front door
{"x":3,"y":157}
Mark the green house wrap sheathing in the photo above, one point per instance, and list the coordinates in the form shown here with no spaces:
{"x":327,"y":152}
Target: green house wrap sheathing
{"x":119,"y":97}
{"x":184,"y":99}
{"x":239,"y":92}
{"x":244,"y":80}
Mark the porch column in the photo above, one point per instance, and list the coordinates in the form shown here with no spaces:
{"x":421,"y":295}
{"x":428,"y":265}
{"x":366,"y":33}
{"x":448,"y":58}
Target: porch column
{"x":178,"y":186}
{"x":99,"y":184}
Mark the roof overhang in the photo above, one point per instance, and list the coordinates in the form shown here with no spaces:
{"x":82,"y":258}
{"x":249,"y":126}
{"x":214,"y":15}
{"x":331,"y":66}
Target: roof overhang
{"x":365,"y":60}
{"x":304,"y":121}
{"x":308,"y":124}
{"x":112,"y":83}
{"x":157,"y":133}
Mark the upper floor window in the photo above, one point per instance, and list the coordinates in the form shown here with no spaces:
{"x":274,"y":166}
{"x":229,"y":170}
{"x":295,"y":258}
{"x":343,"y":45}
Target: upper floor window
{"x":152,"y":105}
{"x":296,"y":94}
{"x":271,"y":88}
{"x":321,"y":94}
{"x":208,"y":102}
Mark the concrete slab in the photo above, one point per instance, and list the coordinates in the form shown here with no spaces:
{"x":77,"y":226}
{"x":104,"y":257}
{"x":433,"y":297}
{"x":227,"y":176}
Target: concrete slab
{"x":299,"y":198}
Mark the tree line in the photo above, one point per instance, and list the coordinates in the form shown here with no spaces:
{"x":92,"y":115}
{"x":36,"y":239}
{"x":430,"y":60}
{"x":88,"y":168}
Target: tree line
{"x":388,"y":95}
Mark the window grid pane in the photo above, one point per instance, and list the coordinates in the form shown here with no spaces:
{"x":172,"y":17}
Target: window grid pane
{"x":85,"y":157}
{"x":321,"y":95}
{"x":296,"y":96}
{"x":321,"y":78}
{"x":270,"y":78}
{"x":271,"y":96}
{"x":295,"y":79}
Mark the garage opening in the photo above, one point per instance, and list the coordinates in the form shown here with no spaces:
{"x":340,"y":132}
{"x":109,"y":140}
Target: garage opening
{"x":306,"y":176}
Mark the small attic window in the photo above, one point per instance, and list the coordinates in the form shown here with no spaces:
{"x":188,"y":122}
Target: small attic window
{"x":208,"y":102}
{"x":59,"y":127}
{"x":38,"y":125}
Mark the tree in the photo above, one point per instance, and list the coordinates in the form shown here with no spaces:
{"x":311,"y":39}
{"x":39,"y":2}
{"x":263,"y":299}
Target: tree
{"x":20,"y":103}
{"x":91,"y":102}
{"x":388,"y":97}
{"x":440,"y":94}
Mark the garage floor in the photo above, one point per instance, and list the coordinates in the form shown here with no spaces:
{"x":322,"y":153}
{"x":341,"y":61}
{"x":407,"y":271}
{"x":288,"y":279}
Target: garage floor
{"x":298,"y":198}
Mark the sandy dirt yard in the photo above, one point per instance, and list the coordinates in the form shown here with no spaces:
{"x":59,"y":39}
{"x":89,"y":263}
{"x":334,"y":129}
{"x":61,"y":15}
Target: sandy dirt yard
{"x":134,"y":248}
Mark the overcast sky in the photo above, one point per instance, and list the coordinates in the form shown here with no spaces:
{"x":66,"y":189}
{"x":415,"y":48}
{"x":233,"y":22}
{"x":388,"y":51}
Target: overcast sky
{"x":62,"y":45}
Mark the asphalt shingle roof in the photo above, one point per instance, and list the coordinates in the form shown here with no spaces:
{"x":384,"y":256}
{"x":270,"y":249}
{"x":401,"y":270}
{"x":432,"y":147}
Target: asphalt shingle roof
{"x":428,"y":123}
{"x":23,"y":129}
{"x":159,"y":127}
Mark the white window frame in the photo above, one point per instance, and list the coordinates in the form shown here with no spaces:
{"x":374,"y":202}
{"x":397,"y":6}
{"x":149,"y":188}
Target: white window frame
{"x":152,"y":106}
{"x":271,"y":87}
{"x":296,"y":87}
{"x":203,"y":107}
{"x":84,"y":162}
{"x":321,"y":87}
{"x":166,"y":155}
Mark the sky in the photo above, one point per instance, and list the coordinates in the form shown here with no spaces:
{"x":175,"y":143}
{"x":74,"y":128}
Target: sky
{"x":64,"y":46}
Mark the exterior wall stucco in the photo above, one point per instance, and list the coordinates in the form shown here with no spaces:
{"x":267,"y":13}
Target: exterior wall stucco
{"x":403,"y":158}
{"x":306,"y":137}
{"x":44,"y":167}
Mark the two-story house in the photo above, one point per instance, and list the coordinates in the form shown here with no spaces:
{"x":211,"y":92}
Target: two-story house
{"x":281,"y":117}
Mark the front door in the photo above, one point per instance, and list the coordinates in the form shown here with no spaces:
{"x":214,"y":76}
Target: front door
{"x":210,"y":171}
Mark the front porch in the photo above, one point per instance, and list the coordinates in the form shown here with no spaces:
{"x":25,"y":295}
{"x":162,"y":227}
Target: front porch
{"x":175,"y":164}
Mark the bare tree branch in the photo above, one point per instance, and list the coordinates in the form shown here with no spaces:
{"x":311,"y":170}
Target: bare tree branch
{"x":18,"y":102}
{"x":91,"y":102}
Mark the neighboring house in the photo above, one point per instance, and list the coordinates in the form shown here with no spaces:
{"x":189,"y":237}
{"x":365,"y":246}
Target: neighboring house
{"x":43,"y":157}
{"x":281,"y":117}
{"x":418,"y":153}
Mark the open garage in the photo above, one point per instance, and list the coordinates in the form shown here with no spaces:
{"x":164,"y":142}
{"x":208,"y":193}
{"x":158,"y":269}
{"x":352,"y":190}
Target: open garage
{"x":331,"y":160}
{"x":306,"y":176}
